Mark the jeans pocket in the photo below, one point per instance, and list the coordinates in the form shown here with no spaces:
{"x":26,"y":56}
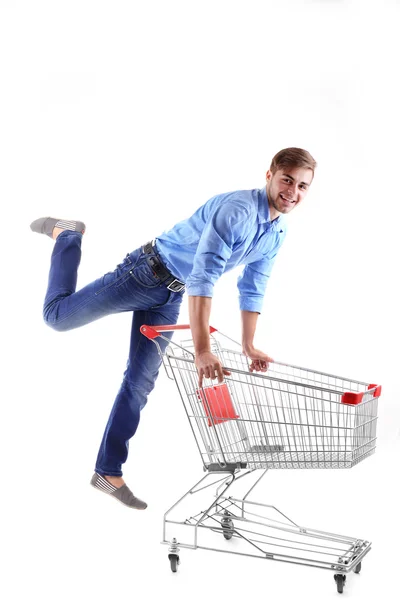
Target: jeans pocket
{"x":117,"y":277}
{"x":143,"y":274}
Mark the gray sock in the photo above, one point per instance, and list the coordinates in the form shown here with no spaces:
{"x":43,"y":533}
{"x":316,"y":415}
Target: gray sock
{"x":46,"y":225}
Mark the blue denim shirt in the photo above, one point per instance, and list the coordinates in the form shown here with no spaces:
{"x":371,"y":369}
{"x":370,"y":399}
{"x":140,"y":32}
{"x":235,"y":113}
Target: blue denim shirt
{"x":229,"y":230}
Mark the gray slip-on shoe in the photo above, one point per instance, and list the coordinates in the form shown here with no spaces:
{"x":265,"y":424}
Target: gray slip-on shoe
{"x":46,"y":225}
{"x":123,"y":494}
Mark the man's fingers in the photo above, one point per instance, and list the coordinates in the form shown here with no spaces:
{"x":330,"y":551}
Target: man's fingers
{"x":200,"y":379}
{"x":259,"y":365}
{"x":211,"y":369}
{"x":220,"y":374}
{"x":212,"y":373}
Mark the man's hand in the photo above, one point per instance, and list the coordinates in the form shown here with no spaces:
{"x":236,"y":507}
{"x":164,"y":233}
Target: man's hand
{"x":259,"y":360}
{"x":208,"y":366}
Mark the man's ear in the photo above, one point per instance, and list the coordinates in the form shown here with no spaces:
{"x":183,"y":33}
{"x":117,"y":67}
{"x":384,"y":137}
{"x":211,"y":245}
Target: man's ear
{"x":268,"y":175}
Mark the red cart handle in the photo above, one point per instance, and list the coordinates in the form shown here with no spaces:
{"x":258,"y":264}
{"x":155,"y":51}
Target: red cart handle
{"x":152,"y":332}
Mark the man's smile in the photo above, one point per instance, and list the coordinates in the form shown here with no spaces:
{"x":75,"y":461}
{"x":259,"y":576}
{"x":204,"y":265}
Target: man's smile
{"x":286,"y":200}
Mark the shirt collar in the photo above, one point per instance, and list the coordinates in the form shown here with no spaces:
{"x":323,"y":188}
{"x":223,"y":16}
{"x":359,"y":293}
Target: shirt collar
{"x":263,"y":211}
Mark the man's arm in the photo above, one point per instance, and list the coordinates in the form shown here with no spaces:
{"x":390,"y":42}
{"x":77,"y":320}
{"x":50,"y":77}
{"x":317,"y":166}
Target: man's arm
{"x":249,"y":324}
{"x":206,"y":362}
{"x":224,"y":225}
{"x":259,"y":359}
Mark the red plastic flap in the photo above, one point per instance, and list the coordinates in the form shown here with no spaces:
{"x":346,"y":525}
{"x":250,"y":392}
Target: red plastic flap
{"x":378,"y":390}
{"x":217,"y":404}
{"x":352,"y":397}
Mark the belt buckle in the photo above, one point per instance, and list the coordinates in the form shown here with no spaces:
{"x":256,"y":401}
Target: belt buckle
{"x":176,"y":286}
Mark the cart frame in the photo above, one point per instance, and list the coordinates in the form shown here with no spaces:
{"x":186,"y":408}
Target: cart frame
{"x":289,"y":417}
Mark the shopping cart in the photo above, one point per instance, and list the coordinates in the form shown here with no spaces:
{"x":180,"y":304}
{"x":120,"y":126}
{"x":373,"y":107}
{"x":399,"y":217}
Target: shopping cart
{"x":287,"y":418}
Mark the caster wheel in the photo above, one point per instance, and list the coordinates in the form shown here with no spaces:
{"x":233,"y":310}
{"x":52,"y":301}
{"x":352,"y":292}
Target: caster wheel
{"x":358,"y":568}
{"x":228,"y":535}
{"x":340,"y":582}
{"x":174,"y":562}
{"x":227,"y":527}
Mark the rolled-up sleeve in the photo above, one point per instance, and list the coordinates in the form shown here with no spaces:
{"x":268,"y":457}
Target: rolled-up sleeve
{"x":222,"y":229}
{"x":254,"y":278}
{"x":252,"y":283}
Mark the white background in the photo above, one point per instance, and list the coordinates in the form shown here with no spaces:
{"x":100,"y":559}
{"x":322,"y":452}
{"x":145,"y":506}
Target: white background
{"x":128,"y":116}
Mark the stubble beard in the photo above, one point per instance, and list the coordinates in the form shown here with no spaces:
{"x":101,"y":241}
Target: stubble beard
{"x":275,"y":203}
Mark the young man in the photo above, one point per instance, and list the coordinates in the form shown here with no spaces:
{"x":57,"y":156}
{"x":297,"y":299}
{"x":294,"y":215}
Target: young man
{"x":236,"y":228}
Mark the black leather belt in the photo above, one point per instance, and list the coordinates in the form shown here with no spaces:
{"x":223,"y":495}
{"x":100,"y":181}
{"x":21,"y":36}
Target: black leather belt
{"x":160,"y":270}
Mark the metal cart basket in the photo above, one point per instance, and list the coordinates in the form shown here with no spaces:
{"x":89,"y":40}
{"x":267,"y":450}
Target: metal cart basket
{"x":287,"y":418}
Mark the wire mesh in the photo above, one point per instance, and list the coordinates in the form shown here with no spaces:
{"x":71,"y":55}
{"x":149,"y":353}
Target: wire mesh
{"x":289,"y":417}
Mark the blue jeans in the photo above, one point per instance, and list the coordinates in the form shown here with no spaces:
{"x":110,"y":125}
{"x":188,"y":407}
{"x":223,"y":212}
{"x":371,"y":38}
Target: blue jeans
{"x":131,"y":287}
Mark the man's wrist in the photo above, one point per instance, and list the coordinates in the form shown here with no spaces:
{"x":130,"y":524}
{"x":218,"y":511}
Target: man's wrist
{"x":247,"y":347}
{"x":201,"y":351}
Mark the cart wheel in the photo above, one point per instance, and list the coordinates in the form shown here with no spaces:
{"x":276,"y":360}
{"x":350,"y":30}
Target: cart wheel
{"x":227,"y":526}
{"x":340,"y":582}
{"x":227,"y":529}
{"x":358,"y":568}
{"x":228,"y":535}
{"x":174,"y":562}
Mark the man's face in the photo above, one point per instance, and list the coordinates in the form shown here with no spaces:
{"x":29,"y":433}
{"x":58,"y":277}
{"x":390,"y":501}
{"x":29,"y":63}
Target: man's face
{"x":287,"y":188}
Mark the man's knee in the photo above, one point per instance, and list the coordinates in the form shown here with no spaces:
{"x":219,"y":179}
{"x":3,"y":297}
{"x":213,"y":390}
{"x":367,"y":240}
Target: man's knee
{"x":54,"y":323}
{"x":137,"y":392}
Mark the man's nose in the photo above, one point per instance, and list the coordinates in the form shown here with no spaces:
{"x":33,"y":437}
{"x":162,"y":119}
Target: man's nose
{"x":293,"y":190}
